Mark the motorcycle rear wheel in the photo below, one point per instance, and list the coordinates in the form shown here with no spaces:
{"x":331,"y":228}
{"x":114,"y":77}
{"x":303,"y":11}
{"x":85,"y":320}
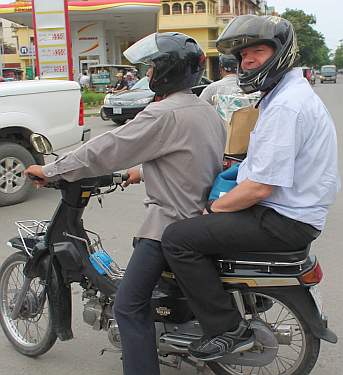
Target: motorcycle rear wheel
{"x":296,"y":359}
{"x":32,"y":334}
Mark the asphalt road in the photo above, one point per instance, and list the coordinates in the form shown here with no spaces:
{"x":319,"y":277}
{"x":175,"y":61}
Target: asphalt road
{"x":116,"y":223}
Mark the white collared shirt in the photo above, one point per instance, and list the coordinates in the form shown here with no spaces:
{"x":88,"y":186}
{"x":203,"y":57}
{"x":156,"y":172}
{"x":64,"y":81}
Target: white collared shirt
{"x":294,"y":148}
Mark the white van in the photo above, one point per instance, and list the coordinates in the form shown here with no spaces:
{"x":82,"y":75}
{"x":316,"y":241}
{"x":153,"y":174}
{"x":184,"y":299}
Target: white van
{"x":328,"y":73}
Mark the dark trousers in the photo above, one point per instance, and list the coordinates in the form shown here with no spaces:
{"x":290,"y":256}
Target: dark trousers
{"x":133,"y":311}
{"x":191,"y":247}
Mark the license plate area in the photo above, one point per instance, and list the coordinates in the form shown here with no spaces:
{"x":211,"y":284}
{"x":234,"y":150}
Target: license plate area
{"x":117,"y":111}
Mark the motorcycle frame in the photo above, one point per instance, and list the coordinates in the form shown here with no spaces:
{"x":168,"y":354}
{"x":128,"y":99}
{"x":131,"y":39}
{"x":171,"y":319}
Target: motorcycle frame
{"x":67,"y":219}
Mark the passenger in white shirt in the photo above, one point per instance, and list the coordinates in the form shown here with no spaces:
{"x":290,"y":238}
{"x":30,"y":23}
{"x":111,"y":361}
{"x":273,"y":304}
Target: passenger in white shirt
{"x":285,"y":185}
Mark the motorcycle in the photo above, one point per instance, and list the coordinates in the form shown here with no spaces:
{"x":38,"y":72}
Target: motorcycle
{"x":277,"y":293}
{"x":313,"y":80}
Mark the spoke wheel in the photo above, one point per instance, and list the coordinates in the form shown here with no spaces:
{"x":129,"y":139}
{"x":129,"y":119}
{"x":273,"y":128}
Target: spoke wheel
{"x":296,"y":358}
{"x":32,"y":333}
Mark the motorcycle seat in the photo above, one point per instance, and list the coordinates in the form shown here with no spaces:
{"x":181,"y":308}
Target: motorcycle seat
{"x":270,"y":256}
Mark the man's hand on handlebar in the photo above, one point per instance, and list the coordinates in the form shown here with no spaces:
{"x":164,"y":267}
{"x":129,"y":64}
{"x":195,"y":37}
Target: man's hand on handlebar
{"x":134,"y":177}
{"x":35,"y":174}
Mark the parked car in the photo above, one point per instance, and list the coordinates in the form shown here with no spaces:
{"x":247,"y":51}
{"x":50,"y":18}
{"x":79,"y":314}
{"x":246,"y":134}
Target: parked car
{"x":125,"y":105}
{"x":51,"y":108}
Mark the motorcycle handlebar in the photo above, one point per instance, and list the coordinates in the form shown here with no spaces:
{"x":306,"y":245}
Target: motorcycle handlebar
{"x":116,"y":178}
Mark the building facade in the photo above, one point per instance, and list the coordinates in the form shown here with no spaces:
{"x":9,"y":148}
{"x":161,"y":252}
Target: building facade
{"x":102,"y":29}
{"x":204,"y":20}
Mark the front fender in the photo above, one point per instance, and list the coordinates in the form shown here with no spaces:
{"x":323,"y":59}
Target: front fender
{"x":59,"y":294}
{"x":59,"y":297}
{"x":17,"y":243}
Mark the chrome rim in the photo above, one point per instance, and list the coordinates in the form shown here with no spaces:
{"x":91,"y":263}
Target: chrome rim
{"x":33,"y":323}
{"x":289,"y":357}
{"x":12,"y":177}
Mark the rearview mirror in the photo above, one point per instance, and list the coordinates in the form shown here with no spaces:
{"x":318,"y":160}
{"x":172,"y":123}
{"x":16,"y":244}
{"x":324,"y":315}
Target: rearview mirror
{"x":41,"y":144}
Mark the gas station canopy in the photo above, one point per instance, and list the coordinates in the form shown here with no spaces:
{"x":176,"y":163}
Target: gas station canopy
{"x":128,"y":19}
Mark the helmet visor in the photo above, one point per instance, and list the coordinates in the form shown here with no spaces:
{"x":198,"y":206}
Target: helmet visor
{"x":231,"y":46}
{"x":143,"y":51}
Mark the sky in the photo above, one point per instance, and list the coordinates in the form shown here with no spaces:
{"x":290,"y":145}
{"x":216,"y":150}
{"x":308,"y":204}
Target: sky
{"x":328,"y":14}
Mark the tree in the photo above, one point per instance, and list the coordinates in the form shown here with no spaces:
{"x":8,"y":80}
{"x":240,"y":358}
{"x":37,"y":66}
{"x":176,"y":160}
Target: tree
{"x":338,"y":59}
{"x":312,"y":48}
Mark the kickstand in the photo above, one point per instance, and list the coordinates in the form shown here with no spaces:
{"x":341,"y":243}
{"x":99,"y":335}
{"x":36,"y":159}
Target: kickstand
{"x":110,"y":350}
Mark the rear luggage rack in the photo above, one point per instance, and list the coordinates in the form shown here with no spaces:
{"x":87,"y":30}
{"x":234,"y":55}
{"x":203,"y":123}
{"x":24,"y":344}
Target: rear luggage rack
{"x":31,"y":230}
{"x":229,"y":264}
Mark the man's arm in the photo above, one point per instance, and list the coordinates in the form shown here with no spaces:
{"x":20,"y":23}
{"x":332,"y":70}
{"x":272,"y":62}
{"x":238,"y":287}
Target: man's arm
{"x":115,"y":150}
{"x":245,"y":195}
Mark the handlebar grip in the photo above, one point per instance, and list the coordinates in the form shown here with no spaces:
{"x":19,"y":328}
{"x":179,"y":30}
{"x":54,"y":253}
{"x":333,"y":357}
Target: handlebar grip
{"x":125,"y":176}
{"x":34,"y":178}
{"x":119,"y":178}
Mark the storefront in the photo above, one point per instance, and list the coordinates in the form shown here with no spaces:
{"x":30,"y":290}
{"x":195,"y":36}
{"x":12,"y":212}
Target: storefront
{"x":100,"y":29}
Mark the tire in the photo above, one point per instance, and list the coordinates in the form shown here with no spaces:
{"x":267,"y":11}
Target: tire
{"x":21,"y":339}
{"x":14,"y":185}
{"x":103,"y":114}
{"x":307,"y":357}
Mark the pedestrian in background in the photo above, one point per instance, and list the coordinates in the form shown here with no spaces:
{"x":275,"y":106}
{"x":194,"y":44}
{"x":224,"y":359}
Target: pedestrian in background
{"x":228,"y":82}
{"x":84,"y":81}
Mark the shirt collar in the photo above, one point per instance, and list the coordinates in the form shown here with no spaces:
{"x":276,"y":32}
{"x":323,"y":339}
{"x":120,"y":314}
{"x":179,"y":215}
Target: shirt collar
{"x":293,"y":75}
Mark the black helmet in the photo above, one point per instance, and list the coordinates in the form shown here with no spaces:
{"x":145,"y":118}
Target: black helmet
{"x":177,"y":59}
{"x":228,"y":63}
{"x":249,"y":30}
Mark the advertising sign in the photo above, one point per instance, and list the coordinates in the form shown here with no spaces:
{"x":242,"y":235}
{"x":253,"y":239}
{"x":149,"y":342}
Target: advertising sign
{"x":52,"y":39}
{"x":101,"y":79}
{"x":88,"y":39}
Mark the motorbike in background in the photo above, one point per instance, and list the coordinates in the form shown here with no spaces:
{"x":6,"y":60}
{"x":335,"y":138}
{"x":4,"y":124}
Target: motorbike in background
{"x":277,"y":293}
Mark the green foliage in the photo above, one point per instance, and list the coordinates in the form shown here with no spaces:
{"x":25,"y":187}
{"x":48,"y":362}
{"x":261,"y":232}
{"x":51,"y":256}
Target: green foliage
{"x":91,"y":98}
{"x":338,"y":59}
{"x":312,"y":48}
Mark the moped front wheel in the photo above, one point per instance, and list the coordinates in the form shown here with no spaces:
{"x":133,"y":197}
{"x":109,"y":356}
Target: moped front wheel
{"x":297,"y":357}
{"x":32,"y":333}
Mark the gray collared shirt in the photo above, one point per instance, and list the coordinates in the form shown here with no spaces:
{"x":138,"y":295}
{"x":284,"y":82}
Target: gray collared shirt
{"x":294,"y":148}
{"x":179,"y":141}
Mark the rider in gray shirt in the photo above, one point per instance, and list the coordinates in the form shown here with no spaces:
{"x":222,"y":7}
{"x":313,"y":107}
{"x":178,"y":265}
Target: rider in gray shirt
{"x":180,"y":142}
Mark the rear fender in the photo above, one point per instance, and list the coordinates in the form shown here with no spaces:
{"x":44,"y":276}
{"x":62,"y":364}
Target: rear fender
{"x":301,"y":300}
